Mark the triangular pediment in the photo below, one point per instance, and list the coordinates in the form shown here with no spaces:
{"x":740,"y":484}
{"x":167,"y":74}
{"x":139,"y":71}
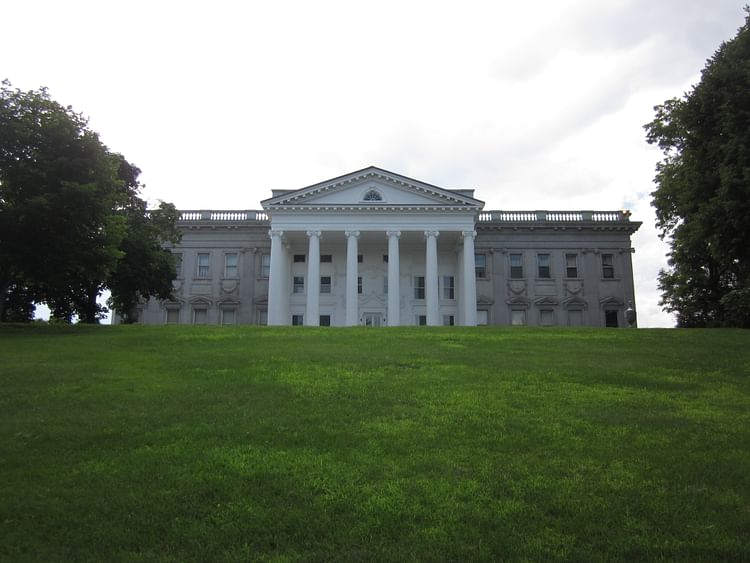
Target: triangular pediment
{"x":372,"y":188}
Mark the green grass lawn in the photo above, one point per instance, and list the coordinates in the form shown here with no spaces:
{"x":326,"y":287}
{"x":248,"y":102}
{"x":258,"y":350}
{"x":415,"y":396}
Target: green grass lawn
{"x":298,"y":444}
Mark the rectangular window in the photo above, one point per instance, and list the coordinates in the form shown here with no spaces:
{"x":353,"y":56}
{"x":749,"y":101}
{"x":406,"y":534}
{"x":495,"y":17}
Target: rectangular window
{"x":228,"y":317}
{"x":230,"y":265}
{"x":422,"y":320}
{"x":448,"y":288}
{"x":385,"y":258}
{"x":299,"y":258}
{"x":480,"y":266}
{"x":448,"y":320}
{"x":360,"y":258}
{"x":263,"y":317}
{"x":325,"y":284}
{"x":610,"y":319}
{"x":385,"y":284}
{"x":173,"y":315}
{"x":265,"y":266}
{"x":575,"y":317}
{"x":299,"y":284}
{"x":546,"y":317}
{"x":543,"y":269}
{"x":298,"y":320}
{"x":483,"y":317}
{"x":518,"y":317}
{"x":608,"y":266}
{"x":326,"y":258}
{"x":359,"y":285}
{"x":571,"y":265}
{"x":516,"y":266}
{"x":200,"y":316}
{"x":178,"y":264}
{"x":325,"y":320}
{"x":203,"y":265}
{"x":418,"y":287}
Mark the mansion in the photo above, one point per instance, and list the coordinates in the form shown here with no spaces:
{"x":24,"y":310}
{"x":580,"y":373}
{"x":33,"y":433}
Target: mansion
{"x":376,"y":248}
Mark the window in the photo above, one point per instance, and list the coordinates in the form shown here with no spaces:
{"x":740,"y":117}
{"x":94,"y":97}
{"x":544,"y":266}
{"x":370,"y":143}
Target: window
{"x":359,"y":285}
{"x":385,"y":258}
{"x":448,"y":288}
{"x":173,"y":315}
{"x":326,"y":258}
{"x":203,"y":265}
{"x":265,"y":266}
{"x":263,"y":317}
{"x":575,"y":317}
{"x":385,"y":285}
{"x":480,"y":265}
{"x":325,"y":284}
{"x":608,"y":266}
{"x":299,"y":284}
{"x":418,"y":287}
{"x":516,"y":266}
{"x":546,"y":317}
{"x":199,"y":316}
{"x":178,"y":264}
{"x":372,"y":195}
{"x":483,"y":317}
{"x":449,"y":320}
{"x":610,"y":319}
{"x":298,"y":320}
{"x":230,"y":265}
{"x":543,"y":265}
{"x":360,"y":258}
{"x":299,"y":258}
{"x":571,"y":265}
{"x":421,"y":320}
{"x":325,"y":320}
{"x":518,"y":317}
{"x":228,"y":316}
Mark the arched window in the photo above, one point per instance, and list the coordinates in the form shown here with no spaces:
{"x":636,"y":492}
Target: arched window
{"x":372,"y":195}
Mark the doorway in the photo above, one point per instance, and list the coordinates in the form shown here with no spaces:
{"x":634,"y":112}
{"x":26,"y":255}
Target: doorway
{"x":372,"y":319}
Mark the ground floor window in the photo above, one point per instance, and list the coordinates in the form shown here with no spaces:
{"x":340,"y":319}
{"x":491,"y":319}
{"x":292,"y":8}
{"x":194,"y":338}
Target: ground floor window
{"x":518,"y":317}
{"x":200,"y":316}
{"x":449,"y":320}
{"x":262,"y":316}
{"x":325,"y":320}
{"x":228,"y":316}
{"x":610,"y":319}
{"x":421,"y":320}
{"x":483,"y":317}
{"x":298,"y":320}
{"x":546,"y":317}
{"x":173,"y":315}
{"x":575,"y":317}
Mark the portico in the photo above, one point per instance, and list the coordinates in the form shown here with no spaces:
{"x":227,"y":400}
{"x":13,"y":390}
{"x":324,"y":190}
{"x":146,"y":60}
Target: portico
{"x":372,"y":247}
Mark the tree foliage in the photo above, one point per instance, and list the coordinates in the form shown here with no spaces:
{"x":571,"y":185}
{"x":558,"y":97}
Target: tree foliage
{"x":69,"y":213}
{"x":702,"y":199}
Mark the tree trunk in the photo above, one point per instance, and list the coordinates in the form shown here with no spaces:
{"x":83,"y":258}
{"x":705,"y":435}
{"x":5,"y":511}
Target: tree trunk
{"x":3,"y":294}
{"x":92,"y":308}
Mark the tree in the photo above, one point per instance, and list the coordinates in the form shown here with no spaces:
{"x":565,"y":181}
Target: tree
{"x":702,"y":199}
{"x":67,"y":207}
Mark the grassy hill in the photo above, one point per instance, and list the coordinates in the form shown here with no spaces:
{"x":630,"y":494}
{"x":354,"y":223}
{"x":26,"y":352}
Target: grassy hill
{"x":287,"y":444}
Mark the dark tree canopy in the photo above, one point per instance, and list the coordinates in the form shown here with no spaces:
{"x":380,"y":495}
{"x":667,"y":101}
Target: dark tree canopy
{"x":702,"y":198}
{"x":69,"y":213}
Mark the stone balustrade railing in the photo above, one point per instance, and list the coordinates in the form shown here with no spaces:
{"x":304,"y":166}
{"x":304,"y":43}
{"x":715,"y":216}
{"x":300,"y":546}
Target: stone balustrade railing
{"x":228,"y":216}
{"x":553,"y":216}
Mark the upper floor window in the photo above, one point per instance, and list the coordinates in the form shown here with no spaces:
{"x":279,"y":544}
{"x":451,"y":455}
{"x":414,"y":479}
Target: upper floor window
{"x":571,"y":265}
{"x":516,"y":266}
{"x":359,"y":285}
{"x":608,"y":266}
{"x":480,"y":266}
{"x":418,"y":287}
{"x":177,"y":264}
{"x":543,"y":268}
{"x":325,"y":284}
{"x":230,"y":265}
{"x":448,"y":287}
{"x":360,"y":258}
{"x":326,"y":258}
{"x":265,"y":265}
{"x":203,"y":270}
{"x":373,"y":195}
{"x":299,"y":284}
{"x":299,"y":258}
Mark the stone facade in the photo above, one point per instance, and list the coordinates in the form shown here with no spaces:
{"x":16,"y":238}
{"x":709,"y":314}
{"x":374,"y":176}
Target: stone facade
{"x":325,"y":255}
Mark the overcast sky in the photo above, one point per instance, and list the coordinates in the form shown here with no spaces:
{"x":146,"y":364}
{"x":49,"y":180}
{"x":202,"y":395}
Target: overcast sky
{"x":536,"y":105}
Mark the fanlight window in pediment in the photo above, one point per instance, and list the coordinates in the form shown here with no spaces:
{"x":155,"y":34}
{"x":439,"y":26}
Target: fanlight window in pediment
{"x":372,"y":195}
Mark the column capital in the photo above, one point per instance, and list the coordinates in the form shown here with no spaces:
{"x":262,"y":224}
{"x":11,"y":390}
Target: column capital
{"x":472,"y":234}
{"x":429,"y":234}
{"x":275,"y":233}
{"x":354,"y":234}
{"x":314,"y":234}
{"x":390,"y":234}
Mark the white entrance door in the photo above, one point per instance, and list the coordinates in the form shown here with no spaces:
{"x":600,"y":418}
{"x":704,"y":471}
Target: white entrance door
{"x":373,"y":319}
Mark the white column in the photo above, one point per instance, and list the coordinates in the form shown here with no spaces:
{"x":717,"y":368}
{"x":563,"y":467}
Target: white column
{"x":431,"y":279}
{"x":469,"y":286}
{"x":352,"y":310}
{"x":394,"y":291}
{"x":276,"y":280}
{"x":312,"y":313}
